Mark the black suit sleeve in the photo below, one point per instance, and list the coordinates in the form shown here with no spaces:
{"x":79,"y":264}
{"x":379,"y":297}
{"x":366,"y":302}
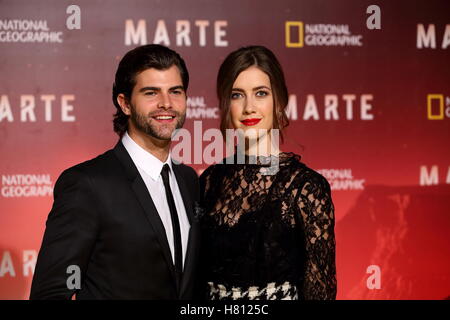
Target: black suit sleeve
{"x":71,"y":230}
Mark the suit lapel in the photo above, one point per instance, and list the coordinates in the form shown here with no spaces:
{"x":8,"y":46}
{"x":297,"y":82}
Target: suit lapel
{"x":153,"y":217}
{"x":144,"y":198}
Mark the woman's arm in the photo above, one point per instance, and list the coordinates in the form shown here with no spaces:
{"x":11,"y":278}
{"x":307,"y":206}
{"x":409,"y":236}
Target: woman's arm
{"x":317,"y":211}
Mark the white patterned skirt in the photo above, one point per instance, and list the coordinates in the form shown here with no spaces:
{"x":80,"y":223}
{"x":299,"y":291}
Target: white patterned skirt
{"x":272,"y":291}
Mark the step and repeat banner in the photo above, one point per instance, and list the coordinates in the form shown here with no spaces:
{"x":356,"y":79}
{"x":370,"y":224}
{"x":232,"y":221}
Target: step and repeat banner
{"x":369,"y":108}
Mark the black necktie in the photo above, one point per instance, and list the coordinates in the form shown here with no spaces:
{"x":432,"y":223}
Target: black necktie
{"x":175,"y":223}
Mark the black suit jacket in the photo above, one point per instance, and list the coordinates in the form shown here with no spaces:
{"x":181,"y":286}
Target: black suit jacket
{"x":104,"y":221}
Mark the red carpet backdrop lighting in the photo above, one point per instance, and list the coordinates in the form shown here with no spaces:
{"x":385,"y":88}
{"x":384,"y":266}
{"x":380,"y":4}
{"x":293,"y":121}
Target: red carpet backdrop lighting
{"x":369,"y":108}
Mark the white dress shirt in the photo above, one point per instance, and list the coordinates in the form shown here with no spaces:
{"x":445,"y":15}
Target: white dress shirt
{"x":150,"y":168}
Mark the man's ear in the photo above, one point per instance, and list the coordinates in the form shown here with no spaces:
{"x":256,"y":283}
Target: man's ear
{"x":123,"y":103}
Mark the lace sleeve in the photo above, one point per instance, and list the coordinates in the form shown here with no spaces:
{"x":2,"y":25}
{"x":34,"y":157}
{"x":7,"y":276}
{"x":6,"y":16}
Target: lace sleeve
{"x":317,"y":211}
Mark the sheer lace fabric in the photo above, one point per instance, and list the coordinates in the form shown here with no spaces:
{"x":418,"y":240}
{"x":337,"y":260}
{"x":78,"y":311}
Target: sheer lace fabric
{"x":267,"y":231}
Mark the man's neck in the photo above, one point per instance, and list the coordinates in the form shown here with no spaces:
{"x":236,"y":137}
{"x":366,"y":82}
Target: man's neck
{"x":158,"y":148}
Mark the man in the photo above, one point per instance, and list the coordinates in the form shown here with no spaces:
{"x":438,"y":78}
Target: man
{"x":125,"y":220}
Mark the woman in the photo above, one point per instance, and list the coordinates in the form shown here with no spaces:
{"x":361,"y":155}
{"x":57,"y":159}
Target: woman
{"x":265,"y":236}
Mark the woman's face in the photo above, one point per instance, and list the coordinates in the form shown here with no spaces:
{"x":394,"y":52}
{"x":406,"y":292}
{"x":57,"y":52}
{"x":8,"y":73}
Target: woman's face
{"x":251,"y":103}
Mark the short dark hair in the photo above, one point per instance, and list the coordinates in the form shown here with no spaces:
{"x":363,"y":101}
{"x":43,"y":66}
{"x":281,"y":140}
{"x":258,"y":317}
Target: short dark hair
{"x":240,"y":60}
{"x":134,"y":62}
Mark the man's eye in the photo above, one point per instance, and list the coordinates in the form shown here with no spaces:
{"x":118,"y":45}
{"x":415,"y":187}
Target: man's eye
{"x":177,"y":92}
{"x":236,"y":95}
{"x":150,"y":93}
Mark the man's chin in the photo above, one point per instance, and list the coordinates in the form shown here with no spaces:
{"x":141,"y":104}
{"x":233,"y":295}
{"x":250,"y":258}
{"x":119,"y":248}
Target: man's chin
{"x":161,"y":132}
{"x":163,"y":136}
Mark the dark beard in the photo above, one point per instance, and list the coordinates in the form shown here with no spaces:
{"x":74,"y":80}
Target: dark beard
{"x":161,"y":132}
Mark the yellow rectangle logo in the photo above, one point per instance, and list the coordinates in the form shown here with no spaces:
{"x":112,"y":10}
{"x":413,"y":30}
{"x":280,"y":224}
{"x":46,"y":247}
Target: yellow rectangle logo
{"x":440,"y":99}
{"x":299,"y":41}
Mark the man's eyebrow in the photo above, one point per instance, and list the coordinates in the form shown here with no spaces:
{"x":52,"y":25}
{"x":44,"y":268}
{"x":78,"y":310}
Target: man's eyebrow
{"x":176,"y":88}
{"x":149,"y":88}
{"x":159,"y":89}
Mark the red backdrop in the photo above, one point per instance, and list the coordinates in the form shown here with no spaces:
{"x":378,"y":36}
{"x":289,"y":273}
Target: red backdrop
{"x":369,"y":108}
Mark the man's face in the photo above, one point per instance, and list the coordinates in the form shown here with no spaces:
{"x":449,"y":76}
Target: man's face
{"x":158,"y":103}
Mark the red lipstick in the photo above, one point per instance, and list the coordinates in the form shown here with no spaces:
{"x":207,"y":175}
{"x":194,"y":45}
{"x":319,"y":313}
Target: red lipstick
{"x":251,"y":122}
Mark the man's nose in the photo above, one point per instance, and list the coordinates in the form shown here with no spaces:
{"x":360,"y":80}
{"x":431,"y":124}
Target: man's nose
{"x":165,"y":101}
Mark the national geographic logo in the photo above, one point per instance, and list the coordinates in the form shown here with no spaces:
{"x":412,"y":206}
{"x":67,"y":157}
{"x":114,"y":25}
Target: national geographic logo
{"x":298,"y":34}
{"x":294,"y":25}
{"x":26,"y":185}
{"x":342,"y":179}
{"x":36,"y":30}
{"x":438,"y":107}
{"x":28,"y":31}
{"x":197,"y":109}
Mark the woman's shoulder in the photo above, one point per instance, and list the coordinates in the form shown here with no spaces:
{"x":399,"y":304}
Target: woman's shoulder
{"x":303,"y":175}
{"x":207,"y":172}
{"x":210,"y":173}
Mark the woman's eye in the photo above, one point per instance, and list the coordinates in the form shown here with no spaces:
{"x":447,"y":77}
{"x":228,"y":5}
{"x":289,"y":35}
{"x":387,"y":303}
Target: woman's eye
{"x":236,"y":95}
{"x":261,"y":93}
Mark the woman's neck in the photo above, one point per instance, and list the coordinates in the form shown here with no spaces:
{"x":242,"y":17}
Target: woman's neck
{"x":262,"y":146}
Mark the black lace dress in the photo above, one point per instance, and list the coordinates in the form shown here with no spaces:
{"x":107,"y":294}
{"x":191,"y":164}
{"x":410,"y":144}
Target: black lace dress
{"x":267,"y":236}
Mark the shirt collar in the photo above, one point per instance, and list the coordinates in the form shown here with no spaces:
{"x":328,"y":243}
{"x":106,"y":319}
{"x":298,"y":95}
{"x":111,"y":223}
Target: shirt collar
{"x":143,"y":159}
